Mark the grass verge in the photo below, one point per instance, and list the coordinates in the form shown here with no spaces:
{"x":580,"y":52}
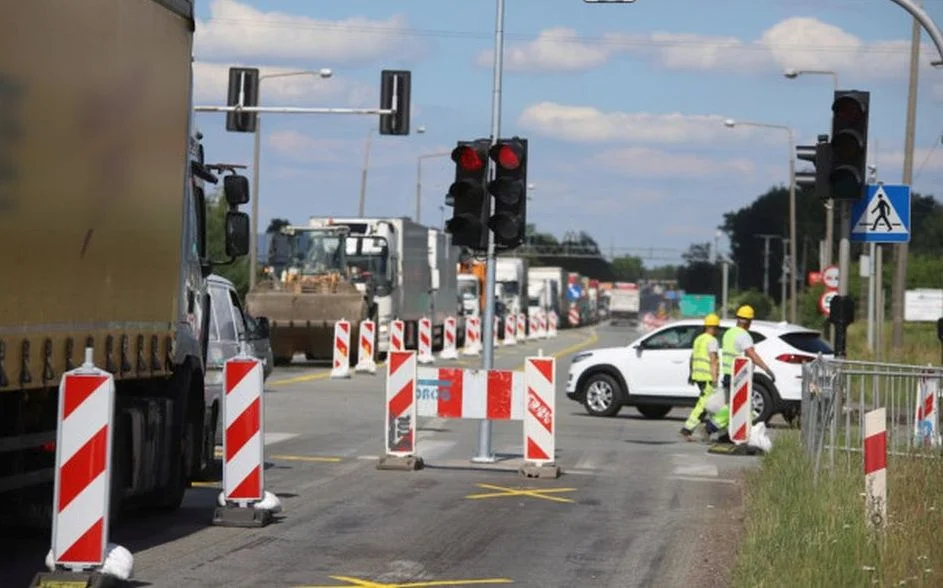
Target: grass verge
{"x":799,"y":534}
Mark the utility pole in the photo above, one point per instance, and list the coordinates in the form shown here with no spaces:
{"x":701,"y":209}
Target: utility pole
{"x":766,"y":240}
{"x":900,"y":261}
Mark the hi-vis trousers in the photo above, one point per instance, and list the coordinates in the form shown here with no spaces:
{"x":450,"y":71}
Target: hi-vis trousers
{"x":694,"y":419}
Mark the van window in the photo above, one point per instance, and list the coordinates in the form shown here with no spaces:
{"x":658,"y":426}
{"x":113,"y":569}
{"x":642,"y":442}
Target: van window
{"x":222,"y":312}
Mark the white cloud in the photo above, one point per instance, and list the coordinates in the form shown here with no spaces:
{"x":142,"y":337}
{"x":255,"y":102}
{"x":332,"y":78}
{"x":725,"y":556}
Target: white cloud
{"x":797,"y":42}
{"x":554,"y":49}
{"x":588,"y":124}
{"x":211,"y":81}
{"x":891,"y":163}
{"x":302,"y":148}
{"x":643,"y":162}
{"x":236,"y":30}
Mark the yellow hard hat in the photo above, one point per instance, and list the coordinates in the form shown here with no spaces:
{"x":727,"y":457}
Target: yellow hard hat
{"x":745,"y":312}
{"x":712,"y":320}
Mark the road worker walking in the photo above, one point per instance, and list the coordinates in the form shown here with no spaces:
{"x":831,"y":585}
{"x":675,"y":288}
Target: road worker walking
{"x":704,"y":368}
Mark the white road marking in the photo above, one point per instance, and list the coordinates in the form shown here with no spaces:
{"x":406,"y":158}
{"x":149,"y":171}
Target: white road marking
{"x":272,"y":438}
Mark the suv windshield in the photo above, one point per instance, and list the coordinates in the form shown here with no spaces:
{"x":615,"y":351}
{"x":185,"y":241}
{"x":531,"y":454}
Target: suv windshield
{"x":808,"y":341}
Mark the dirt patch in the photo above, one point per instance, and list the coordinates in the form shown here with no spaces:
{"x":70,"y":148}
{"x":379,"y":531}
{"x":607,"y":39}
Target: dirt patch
{"x":717,"y":535}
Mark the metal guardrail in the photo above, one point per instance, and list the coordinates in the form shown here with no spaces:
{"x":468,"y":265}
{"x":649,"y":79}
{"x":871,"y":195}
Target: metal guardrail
{"x":837,"y":393}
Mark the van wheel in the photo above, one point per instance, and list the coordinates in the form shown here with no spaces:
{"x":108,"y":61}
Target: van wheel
{"x":602,"y":395}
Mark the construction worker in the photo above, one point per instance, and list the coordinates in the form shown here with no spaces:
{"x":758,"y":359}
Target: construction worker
{"x":736,"y":341}
{"x":703,"y":371}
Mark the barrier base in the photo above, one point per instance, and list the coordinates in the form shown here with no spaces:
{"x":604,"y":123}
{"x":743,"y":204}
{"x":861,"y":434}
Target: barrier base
{"x":400,"y":462}
{"x":731,"y":449}
{"x":235,"y":516}
{"x":540,"y":470}
{"x":63,"y":579}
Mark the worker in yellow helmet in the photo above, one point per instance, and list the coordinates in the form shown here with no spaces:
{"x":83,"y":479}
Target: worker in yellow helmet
{"x":704,"y":369}
{"x":736,"y":341}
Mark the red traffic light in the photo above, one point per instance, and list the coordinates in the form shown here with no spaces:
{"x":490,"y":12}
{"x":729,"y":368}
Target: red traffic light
{"x":507,"y":155}
{"x":468,"y":158}
{"x":848,"y":109}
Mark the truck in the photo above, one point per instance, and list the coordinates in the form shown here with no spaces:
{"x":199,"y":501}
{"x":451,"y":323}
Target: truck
{"x":624,"y":302}
{"x":307,"y":288}
{"x":555,"y":280}
{"x":511,"y":283}
{"x":471,"y":286}
{"x":110,"y":252}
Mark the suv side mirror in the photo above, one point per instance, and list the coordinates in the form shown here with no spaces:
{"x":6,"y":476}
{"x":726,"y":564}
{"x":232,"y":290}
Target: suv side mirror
{"x":237,"y":234}
{"x":263,"y":330}
{"x":236,"y":189}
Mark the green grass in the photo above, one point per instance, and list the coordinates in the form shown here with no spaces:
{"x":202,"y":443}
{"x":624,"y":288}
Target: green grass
{"x":920,"y":345}
{"x":802,"y":535}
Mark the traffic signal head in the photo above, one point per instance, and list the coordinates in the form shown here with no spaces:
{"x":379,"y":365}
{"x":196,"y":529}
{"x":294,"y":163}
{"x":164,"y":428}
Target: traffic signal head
{"x":395,"y":88}
{"x":468,"y":225}
{"x":509,"y":189}
{"x":847,"y":175}
{"x":243,"y":91}
{"x":820,"y":156}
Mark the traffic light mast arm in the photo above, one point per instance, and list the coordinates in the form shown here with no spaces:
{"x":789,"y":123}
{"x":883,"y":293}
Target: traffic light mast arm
{"x":928,"y":25}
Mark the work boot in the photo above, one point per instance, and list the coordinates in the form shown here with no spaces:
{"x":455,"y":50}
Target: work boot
{"x":687,"y":435}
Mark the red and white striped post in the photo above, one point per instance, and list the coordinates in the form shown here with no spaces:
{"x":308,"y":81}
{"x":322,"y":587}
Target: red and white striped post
{"x":540,"y":418}
{"x":521,"y":327}
{"x":341,"y":365}
{"x":741,"y":396}
{"x":926,"y":414}
{"x":472,"y":336}
{"x":83,"y":460}
{"x":241,"y":501}
{"x":399,"y":423}
{"x":368,"y":334}
{"x":574,"y":315}
{"x":875,"y":467}
{"x":425,"y":341}
{"x":510,"y":329}
{"x":397,"y":335}
{"x":449,"y":339}
{"x":552,"y":323}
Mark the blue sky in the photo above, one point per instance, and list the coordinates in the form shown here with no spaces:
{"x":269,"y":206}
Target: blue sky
{"x":623,"y":105}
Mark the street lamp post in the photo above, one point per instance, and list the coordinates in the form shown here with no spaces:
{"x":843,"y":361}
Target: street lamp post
{"x":793,"y":303}
{"x":323,"y":73}
{"x":419,"y":180}
{"x":366,"y":165}
{"x":829,"y":206}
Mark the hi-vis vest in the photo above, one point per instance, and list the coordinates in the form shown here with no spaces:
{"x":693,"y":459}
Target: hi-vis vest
{"x":729,"y":351}
{"x":701,"y":359}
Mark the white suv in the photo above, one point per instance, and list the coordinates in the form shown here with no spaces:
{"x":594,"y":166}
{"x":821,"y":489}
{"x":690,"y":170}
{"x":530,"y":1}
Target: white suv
{"x":651,"y":373}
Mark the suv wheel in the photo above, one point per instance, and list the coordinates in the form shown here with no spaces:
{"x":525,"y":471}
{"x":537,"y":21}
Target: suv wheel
{"x":654,"y":411}
{"x":763,"y":405}
{"x":602,"y":395}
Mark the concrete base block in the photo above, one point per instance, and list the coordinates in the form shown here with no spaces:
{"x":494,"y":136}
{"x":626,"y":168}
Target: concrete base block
{"x":234,"y":516}
{"x":731,"y":449}
{"x":533,"y":470}
{"x":76,"y":580}
{"x":400,"y":462}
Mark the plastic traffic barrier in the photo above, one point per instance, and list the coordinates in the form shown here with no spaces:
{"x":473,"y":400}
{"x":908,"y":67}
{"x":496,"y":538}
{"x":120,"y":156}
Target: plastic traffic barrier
{"x":472,"y":336}
{"x":397,"y":335}
{"x":341,"y":364}
{"x":741,"y":400}
{"x":540,"y":424}
{"x":425,"y":341}
{"x":368,"y":340}
{"x":449,"y":339}
{"x":462,"y":393}
{"x":399,"y":421}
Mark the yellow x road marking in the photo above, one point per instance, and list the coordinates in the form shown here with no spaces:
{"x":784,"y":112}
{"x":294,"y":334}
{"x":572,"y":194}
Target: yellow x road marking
{"x":533,"y":492}
{"x":368,"y":584}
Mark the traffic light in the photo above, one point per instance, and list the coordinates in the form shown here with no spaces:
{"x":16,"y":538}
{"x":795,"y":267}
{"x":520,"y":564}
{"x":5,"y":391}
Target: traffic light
{"x":468,"y":225}
{"x":820,"y":156}
{"x":847,"y":175}
{"x":395,"y":86}
{"x":509,"y":189}
{"x":243,"y":91}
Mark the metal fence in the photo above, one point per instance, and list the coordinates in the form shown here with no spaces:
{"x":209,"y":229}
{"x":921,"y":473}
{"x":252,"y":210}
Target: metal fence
{"x":837,"y":393}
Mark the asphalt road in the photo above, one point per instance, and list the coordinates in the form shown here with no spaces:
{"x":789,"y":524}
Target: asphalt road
{"x":625,"y":513}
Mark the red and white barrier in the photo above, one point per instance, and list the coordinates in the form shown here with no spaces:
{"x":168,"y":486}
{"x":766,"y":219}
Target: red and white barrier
{"x":341,"y":365}
{"x":552,"y":323}
{"x":741,"y":400}
{"x":540,"y":418}
{"x":368,"y":339}
{"x":400,"y":420}
{"x":574,"y":315}
{"x":449,"y":339}
{"x":875,"y":466}
{"x":521,"y":327}
{"x":926,"y":414}
{"x":541,"y":324}
{"x":510,"y":329}
{"x":244,"y":501}
{"x":397,"y":335}
{"x":472,"y":336}
{"x":456,"y":393}
{"x":82,"y":475}
{"x":425,"y":341}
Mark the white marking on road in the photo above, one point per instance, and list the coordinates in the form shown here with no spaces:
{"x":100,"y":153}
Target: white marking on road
{"x":703,"y":471}
{"x":368,"y":457}
{"x":703,"y":479}
{"x":272,"y":438}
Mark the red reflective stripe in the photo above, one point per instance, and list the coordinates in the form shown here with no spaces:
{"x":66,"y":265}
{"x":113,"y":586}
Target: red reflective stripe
{"x":243,"y":428}
{"x":77,"y":389}
{"x":84,"y":466}
{"x":535,"y":451}
{"x":236,"y":371}
{"x":499,"y":394}
{"x":250,"y":487}
{"x":87,"y":548}
{"x":450,"y":399}
{"x":875,"y":452}
{"x":402,"y":400}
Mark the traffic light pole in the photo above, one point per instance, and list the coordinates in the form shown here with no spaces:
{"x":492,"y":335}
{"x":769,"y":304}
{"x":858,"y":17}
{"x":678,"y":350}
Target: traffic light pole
{"x":485,"y":454}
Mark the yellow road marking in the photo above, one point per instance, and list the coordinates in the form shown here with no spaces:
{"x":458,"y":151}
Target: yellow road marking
{"x":533,"y":492}
{"x":312,"y":458}
{"x":368,"y":584}
{"x":205,"y":484}
{"x":593,"y":337}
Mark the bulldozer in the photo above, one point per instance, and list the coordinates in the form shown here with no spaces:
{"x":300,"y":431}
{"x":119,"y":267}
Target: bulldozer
{"x":306,"y":287}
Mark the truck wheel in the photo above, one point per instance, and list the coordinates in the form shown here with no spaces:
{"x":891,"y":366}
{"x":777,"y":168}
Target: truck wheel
{"x":208,"y":469}
{"x":186,"y":430}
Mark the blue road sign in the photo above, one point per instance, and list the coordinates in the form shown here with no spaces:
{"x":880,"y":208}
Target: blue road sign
{"x":882,"y":217}
{"x":573,"y":292}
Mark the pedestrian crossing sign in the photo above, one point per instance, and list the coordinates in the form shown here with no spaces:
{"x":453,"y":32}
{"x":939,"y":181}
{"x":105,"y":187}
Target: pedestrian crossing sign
{"x":882,"y":217}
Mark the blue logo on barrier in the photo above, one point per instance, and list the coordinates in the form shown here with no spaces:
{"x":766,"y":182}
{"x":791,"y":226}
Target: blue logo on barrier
{"x":433,"y":390}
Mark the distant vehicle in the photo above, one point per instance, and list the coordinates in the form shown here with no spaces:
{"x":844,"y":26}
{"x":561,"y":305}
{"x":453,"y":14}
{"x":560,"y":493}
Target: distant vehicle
{"x":651,"y":372}
{"x":624,"y":302}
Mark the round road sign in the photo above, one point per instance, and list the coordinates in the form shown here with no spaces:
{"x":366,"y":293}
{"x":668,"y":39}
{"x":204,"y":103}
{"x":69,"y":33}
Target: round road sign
{"x":825,"y":301}
{"x":830,"y":277}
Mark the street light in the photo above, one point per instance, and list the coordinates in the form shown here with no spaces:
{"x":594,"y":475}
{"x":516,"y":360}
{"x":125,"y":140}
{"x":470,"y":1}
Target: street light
{"x":419,"y":178}
{"x":323,"y":73}
{"x":366,"y":164}
{"x":829,"y":209}
{"x":730,"y":123}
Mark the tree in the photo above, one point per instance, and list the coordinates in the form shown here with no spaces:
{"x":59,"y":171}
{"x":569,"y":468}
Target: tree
{"x":698,"y":274}
{"x":276,"y":225}
{"x":627,"y":268}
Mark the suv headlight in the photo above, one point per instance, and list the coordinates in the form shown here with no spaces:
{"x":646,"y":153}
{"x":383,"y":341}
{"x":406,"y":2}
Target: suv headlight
{"x":581,"y":356}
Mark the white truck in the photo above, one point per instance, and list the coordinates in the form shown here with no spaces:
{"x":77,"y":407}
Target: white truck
{"x":444,"y":299}
{"x":624,"y":302}
{"x":406,"y":267}
{"x":511,"y":283}
{"x":554,"y":290}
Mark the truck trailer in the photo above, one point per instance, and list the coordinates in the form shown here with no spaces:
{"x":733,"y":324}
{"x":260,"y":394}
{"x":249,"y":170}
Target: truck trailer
{"x":109,"y":252}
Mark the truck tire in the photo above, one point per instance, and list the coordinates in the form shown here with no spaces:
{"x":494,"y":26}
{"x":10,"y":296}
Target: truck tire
{"x":186,"y":429}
